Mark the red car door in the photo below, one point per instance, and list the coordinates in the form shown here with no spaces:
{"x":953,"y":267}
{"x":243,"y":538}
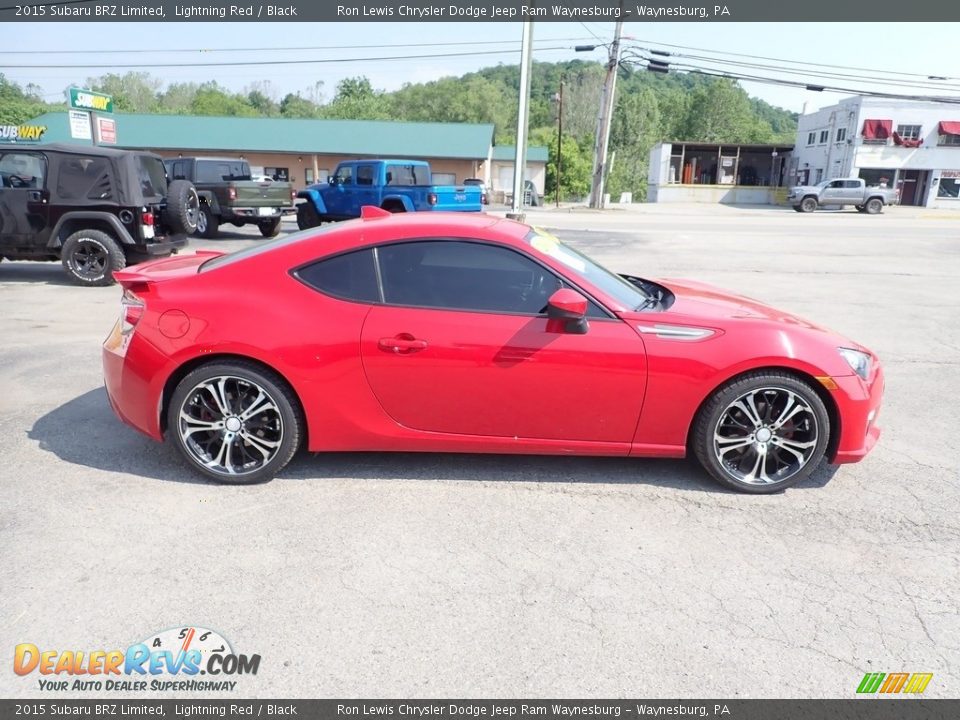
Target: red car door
{"x":488,"y":365}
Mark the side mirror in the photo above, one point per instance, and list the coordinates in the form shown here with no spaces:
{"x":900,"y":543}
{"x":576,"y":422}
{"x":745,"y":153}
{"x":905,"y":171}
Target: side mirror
{"x":568,"y":309}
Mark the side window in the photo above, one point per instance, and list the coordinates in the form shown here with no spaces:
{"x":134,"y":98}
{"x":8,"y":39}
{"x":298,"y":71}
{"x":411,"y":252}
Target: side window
{"x":179,"y":170}
{"x":365,"y":174}
{"x":851,"y":184}
{"x":206,"y":172}
{"x":344,"y":175}
{"x":84,"y":177}
{"x":22,"y":170}
{"x":351,"y":276}
{"x":460,"y":275}
{"x":836,"y":184}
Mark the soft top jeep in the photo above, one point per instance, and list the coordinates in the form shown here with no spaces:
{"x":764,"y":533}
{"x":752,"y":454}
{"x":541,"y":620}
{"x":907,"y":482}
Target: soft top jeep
{"x":95,"y":209}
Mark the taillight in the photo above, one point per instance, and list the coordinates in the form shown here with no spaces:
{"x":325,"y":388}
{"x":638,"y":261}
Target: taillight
{"x":147,"y":217}
{"x":131,"y":310}
{"x":232,"y":193}
{"x":431,"y":199}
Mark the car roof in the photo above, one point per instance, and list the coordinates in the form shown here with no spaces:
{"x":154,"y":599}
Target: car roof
{"x":71,"y":149}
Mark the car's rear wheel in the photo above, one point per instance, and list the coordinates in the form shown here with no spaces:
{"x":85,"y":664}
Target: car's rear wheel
{"x":91,"y":257}
{"x":208,"y":224}
{"x":874,"y":206}
{"x":307,"y":216}
{"x":235,"y":422}
{"x":762,"y":432}
{"x":808,"y":205}
{"x":269,"y":228}
{"x":183,"y":208}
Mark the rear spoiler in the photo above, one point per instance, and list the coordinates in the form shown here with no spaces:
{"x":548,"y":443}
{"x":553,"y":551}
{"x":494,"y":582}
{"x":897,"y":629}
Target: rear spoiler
{"x":152,"y":272}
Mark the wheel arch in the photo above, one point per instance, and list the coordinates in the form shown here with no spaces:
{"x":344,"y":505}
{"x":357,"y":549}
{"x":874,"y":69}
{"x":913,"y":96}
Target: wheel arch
{"x":833,"y":411}
{"x":72,"y":222}
{"x":192,"y":364}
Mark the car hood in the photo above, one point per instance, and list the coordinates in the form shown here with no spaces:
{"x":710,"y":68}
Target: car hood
{"x":795,"y":189}
{"x":710,"y":304}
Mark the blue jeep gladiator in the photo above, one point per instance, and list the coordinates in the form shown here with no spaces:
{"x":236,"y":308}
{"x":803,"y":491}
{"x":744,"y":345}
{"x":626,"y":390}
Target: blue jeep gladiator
{"x":394,"y":185}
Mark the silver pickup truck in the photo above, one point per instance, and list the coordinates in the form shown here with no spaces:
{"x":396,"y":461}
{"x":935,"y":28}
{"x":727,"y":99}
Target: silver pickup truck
{"x":839,"y":193}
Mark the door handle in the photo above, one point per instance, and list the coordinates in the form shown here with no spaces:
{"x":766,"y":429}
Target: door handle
{"x":402,"y":344}
{"x":35,"y":195}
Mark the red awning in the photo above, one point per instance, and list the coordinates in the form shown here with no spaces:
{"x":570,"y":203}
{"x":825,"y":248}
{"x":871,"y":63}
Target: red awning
{"x":877,"y":129}
{"x":949,"y":127}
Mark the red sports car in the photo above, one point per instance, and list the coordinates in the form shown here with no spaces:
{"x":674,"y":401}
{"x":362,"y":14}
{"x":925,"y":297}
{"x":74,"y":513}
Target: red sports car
{"x":441,"y":333}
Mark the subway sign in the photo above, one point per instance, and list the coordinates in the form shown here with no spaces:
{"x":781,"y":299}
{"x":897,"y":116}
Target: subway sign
{"x":89,"y":100}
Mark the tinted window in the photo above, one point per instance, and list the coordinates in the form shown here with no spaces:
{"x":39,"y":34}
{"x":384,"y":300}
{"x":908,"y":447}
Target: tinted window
{"x":365,"y":174}
{"x":344,"y":175}
{"x":212,"y":171}
{"x":408,"y":175}
{"x":22,"y":170}
{"x":464,"y":276}
{"x":84,"y":177}
{"x":351,"y":276}
{"x":153,"y":179}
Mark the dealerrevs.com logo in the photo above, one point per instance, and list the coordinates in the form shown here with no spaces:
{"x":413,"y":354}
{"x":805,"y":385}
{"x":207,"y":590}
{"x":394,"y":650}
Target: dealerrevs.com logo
{"x":170,"y":660}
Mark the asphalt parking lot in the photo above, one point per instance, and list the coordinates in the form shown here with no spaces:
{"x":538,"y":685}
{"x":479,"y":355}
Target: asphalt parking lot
{"x":405,"y":575}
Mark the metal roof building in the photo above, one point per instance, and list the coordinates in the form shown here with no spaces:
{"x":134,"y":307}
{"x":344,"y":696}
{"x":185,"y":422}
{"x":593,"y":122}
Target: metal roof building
{"x":307,"y":150}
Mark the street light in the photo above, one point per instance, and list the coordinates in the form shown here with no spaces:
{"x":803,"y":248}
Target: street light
{"x":773,"y":162}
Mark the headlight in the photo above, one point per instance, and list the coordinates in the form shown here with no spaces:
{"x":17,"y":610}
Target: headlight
{"x":859,"y":361}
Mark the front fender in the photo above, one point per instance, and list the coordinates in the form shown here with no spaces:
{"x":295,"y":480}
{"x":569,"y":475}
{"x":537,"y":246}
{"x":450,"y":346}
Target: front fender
{"x":313,"y":196}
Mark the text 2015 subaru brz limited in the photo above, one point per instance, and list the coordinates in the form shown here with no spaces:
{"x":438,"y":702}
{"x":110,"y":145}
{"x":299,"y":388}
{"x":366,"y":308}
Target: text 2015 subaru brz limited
{"x":455,"y":333}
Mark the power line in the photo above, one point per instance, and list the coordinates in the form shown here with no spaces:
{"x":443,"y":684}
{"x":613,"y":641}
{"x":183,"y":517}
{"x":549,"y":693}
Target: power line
{"x":135,"y":51}
{"x":710,"y":72}
{"x":114,"y":66}
{"x":794,"y":62}
{"x":817,"y":75}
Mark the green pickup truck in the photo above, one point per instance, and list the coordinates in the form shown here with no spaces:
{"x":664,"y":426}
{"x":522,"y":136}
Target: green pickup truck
{"x":229,"y":194}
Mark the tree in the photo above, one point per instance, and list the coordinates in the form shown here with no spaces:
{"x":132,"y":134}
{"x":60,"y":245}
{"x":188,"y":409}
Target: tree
{"x":132,"y":92}
{"x":16,"y":106}
{"x":211,"y":99}
{"x":357,"y":100}
{"x":294,"y":106}
{"x":635,"y":129}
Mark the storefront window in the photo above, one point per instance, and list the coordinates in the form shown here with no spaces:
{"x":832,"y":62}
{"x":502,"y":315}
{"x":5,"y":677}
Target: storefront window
{"x":874,"y":177}
{"x":949,"y":187}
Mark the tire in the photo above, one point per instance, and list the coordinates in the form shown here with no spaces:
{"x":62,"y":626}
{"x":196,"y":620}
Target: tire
{"x":255,"y":448}
{"x":860,"y":208}
{"x":183,"y":208}
{"x":762,"y":452}
{"x":808,"y":204}
{"x":208,"y":224}
{"x":270,"y":228}
{"x":91,"y":257}
{"x":874,"y":206}
{"x":307,"y":216}
{"x":797,"y":208}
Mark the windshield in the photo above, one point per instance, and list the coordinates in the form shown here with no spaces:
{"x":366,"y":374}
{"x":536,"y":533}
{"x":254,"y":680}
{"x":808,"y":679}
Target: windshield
{"x":152,"y":175}
{"x":616,"y":287}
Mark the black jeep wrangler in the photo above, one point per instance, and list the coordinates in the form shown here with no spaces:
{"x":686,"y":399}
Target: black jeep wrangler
{"x":95,"y":209}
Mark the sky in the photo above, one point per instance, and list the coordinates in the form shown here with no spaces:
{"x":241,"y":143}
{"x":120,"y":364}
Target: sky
{"x":878,"y":48}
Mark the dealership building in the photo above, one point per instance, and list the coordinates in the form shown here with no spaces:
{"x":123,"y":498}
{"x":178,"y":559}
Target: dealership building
{"x":904,"y":144}
{"x":304,"y":151}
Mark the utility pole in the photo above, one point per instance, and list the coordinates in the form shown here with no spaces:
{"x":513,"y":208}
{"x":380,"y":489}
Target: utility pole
{"x":559,"y":138}
{"x":520,"y":160}
{"x":604,"y":119}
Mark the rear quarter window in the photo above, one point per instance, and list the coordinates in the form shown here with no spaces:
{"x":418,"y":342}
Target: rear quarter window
{"x":351,"y":276}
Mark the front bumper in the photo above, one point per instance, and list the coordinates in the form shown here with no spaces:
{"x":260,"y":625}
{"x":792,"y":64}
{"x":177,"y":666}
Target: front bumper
{"x":858,"y":405}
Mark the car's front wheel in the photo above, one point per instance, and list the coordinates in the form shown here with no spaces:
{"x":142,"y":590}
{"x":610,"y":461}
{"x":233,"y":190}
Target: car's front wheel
{"x":91,"y":257}
{"x":307,"y":216}
{"x":235,"y":422}
{"x":762,"y":432}
{"x":874,"y":206}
